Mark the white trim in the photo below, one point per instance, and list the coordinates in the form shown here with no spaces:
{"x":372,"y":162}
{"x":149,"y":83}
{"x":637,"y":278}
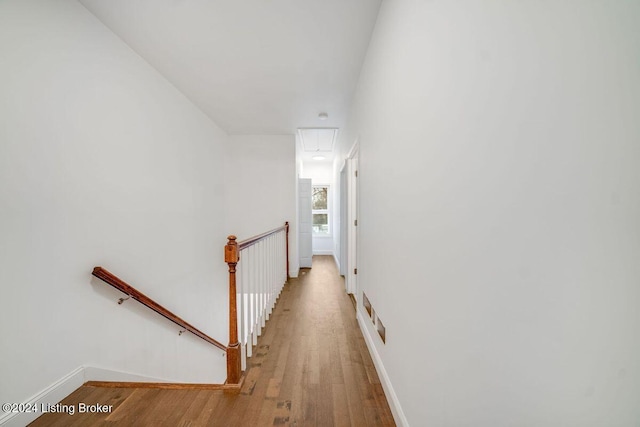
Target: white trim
{"x":64,"y":387}
{"x":324,"y":252}
{"x":52,"y":394}
{"x":354,"y":148}
{"x":351,"y":280}
{"x":335,"y":258}
{"x":343,"y":221}
{"x":392,"y":398}
{"x":344,"y":165}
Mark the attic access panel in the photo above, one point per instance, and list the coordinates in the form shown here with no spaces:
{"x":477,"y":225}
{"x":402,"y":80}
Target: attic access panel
{"x":318,"y":140}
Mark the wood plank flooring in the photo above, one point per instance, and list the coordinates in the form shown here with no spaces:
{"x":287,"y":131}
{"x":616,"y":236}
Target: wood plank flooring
{"x":311,"y":367}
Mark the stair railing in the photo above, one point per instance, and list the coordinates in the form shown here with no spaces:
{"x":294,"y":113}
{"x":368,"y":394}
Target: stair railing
{"x":135,"y":294}
{"x":253,"y":291}
{"x":254,"y":287}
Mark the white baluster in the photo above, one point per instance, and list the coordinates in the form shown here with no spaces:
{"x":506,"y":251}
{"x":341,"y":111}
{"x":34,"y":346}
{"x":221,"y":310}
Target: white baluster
{"x":252,"y":303}
{"x":256,"y":289}
{"x":270,"y":277}
{"x":279,"y":261}
{"x":263,"y":288}
{"x":263,"y":293}
{"x":241,"y":307}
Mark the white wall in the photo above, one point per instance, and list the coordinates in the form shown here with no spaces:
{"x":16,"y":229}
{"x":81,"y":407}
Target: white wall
{"x":102,"y":162}
{"x":321,"y":173}
{"x":260,"y":179}
{"x":499,"y":221}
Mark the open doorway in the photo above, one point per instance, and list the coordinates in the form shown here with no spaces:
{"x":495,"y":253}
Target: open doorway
{"x":314,"y":152}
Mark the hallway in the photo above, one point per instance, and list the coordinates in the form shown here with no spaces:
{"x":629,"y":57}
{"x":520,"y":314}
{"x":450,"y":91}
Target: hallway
{"x":311,"y":367}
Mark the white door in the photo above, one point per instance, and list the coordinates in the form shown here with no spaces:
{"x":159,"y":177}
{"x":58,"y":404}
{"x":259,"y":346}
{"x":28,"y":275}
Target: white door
{"x":304,"y":222}
{"x":343,"y":220}
{"x":352,"y":223}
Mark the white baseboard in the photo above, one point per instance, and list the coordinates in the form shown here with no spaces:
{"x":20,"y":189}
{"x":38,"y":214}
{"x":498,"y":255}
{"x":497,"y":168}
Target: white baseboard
{"x":52,"y":394}
{"x":319,"y":252}
{"x":63,"y":388}
{"x":335,"y":258}
{"x":392,"y":398}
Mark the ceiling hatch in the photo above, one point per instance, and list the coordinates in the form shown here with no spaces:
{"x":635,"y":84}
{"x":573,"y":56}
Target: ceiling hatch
{"x":318,"y":140}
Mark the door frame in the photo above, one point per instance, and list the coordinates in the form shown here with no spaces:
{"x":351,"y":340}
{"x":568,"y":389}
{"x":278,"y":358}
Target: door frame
{"x":343,"y":220}
{"x":351,"y":278}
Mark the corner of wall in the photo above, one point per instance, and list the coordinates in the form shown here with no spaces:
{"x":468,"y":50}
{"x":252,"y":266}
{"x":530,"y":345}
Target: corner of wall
{"x":50,"y":395}
{"x":63,"y":388}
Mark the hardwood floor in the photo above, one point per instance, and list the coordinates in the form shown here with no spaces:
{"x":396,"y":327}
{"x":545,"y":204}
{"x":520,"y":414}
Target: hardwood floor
{"x":311,"y":367}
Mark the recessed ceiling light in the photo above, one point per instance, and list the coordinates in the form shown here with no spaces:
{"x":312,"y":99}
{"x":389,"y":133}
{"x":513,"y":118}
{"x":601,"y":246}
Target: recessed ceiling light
{"x":318,"y":157}
{"x":323,"y":116}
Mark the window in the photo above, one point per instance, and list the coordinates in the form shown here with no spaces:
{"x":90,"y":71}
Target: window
{"x":320,"y":210}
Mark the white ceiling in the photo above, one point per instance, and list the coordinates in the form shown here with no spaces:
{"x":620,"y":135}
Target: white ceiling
{"x":314,"y":142}
{"x":253,"y":66}
{"x":317,"y":140}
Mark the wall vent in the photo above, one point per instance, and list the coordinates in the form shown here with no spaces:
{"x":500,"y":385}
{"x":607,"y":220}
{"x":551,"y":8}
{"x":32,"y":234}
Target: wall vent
{"x":367,"y":304}
{"x":382,"y":331}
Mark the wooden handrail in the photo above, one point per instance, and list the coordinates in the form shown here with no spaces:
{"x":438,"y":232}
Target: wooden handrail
{"x":255,"y":239}
{"x":231,"y":257}
{"x":125,"y":288}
